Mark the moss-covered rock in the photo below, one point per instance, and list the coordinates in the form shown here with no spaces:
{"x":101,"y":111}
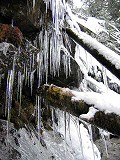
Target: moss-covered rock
{"x":10,"y":34}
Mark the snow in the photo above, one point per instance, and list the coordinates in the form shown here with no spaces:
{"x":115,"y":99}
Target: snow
{"x":99,"y":86}
{"x":107,"y":102}
{"x":4,"y":47}
{"x":77,"y":3}
{"x":89,"y":149}
{"x":96,"y":25}
{"x":71,"y":20}
{"x":103,"y":50}
{"x":90,"y":114}
{"x":86,"y":62}
{"x":93,"y":24}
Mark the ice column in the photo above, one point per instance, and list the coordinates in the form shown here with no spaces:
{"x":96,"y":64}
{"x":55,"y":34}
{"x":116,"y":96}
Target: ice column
{"x":104,"y":76}
{"x":38,"y":105}
{"x":104,"y":140}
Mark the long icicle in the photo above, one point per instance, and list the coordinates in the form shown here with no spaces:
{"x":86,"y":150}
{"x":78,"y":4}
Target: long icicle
{"x":91,"y":138}
{"x":38,"y":115}
{"x":80,"y":138}
{"x":104,"y":140}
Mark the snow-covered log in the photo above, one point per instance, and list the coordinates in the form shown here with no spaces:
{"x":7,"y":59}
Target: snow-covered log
{"x":107,"y":121}
{"x":61,"y":98}
{"x":104,"y":55}
{"x":80,"y":106}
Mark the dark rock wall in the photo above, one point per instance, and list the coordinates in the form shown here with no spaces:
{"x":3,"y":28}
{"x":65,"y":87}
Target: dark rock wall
{"x":22,"y":13}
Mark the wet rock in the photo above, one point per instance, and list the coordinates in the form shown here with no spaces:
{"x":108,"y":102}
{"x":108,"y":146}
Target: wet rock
{"x":22,"y":14}
{"x":113,"y":148}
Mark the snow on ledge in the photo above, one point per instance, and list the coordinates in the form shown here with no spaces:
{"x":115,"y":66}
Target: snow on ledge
{"x":108,"y":102}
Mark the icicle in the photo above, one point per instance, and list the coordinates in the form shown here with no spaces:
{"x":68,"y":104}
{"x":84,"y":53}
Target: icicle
{"x":26,"y":75}
{"x":24,"y":72}
{"x":90,"y":133}
{"x":51,"y":71}
{"x":9,"y":91}
{"x":9,"y":87}
{"x":38,"y":100}
{"x":57,"y":111}
{"x":28,"y":78}
{"x":104,"y":76}
{"x":53,"y":122}
{"x":104,"y":140}
{"x":66,"y":62}
{"x":67,"y":42}
{"x":12,"y":23}
{"x":30,"y":63}
{"x":69,"y":126}
{"x":20,"y":89}
{"x":86,"y":55}
{"x":46,"y":6}
{"x":31,"y":81}
{"x":46,"y":55}
{"x":80,"y":139}
{"x":40,"y":68}
{"x":33,"y":61}
{"x":53,"y":38}
{"x":65,"y":124}
{"x":33,"y":4}
{"x":77,"y":124}
{"x":0,"y":79}
{"x":65,"y":128}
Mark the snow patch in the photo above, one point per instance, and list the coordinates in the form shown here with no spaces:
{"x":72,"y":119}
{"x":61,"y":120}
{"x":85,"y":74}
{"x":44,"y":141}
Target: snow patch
{"x":108,"y":101}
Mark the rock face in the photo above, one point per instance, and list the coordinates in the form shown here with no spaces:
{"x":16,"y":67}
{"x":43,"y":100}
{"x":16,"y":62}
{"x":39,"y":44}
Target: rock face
{"x":22,"y":14}
{"x":20,"y":144}
{"x":113,"y":148}
{"x":8,"y":146}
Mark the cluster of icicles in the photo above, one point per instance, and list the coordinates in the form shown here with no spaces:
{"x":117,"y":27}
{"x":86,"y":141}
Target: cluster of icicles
{"x":69,"y":124}
{"x":48,"y":59}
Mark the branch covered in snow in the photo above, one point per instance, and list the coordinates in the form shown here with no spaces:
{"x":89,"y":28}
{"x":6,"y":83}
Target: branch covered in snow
{"x":104,"y":55}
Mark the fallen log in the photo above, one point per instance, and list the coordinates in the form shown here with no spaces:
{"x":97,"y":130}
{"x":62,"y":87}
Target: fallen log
{"x":62,"y":98}
{"x":101,"y":53}
{"x":107,"y":121}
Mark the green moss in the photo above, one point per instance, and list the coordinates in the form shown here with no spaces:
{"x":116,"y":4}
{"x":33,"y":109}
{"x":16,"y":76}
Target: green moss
{"x":56,"y":94}
{"x":61,"y":98}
